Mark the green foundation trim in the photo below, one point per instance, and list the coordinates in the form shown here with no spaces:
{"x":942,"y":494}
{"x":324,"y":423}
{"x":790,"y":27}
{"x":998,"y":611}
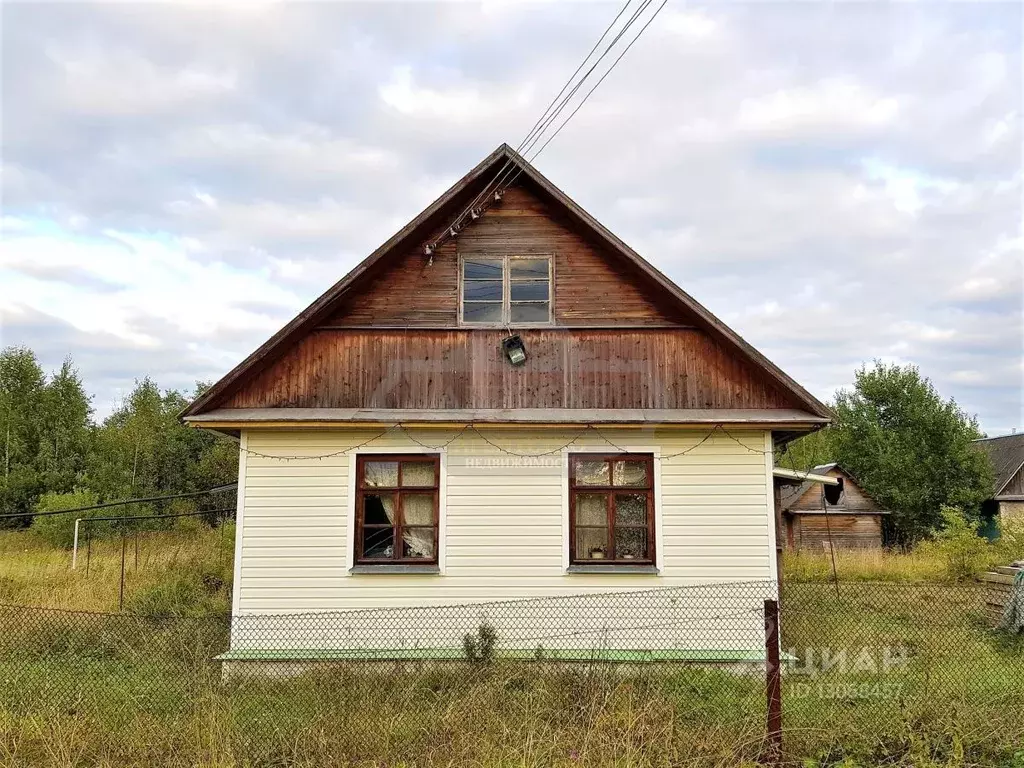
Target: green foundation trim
{"x":711,"y":656}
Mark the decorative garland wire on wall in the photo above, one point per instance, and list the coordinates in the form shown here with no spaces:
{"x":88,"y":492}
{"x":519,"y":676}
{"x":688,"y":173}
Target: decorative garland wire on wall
{"x":402,"y":429}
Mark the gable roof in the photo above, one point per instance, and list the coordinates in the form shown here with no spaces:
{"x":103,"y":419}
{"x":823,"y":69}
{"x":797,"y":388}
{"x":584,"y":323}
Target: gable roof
{"x":1007,"y":456}
{"x":454,"y":198}
{"x":791,"y":494}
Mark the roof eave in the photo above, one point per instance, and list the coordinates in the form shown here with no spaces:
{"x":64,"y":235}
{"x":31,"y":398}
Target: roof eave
{"x":315,"y":418}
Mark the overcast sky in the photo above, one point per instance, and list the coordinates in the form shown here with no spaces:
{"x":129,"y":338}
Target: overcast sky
{"x":837,"y":182}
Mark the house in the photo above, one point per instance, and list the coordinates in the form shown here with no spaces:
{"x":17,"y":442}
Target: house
{"x":810,"y":521}
{"x":1006,"y":455}
{"x":527,"y":409}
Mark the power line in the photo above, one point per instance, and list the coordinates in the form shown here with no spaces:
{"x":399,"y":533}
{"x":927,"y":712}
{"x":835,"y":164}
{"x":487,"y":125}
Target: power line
{"x":218,"y":489}
{"x":546,"y":119}
{"x":636,"y":14}
{"x":157,"y":517}
{"x":531,"y":139}
{"x":587,"y":96}
{"x":508,"y":162}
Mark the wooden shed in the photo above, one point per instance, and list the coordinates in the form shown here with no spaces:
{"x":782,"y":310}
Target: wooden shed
{"x":1006,"y":454}
{"x":854,"y":522}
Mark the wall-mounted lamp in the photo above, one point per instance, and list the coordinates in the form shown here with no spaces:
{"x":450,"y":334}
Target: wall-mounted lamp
{"x":514,"y":350}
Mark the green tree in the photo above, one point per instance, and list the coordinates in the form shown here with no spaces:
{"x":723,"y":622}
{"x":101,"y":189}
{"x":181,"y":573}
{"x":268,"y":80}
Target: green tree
{"x":142,"y":449}
{"x":64,"y":430}
{"x":809,"y":451}
{"x":195,"y":459}
{"x":21,"y":395}
{"x":126,"y":456}
{"x":909,"y":448}
{"x":59,"y":530}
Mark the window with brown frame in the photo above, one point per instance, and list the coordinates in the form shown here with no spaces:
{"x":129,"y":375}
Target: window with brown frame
{"x":397,"y":509}
{"x":611,"y":509}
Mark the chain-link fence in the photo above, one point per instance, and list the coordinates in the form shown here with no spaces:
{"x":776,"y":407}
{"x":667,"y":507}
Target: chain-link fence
{"x":871,"y":674}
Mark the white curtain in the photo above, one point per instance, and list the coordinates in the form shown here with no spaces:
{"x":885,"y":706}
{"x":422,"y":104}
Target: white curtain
{"x":420,"y":541}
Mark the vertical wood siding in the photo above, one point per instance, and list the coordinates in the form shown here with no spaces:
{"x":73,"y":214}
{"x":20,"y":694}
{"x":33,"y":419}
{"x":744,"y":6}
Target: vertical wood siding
{"x":504,"y":528}
{"x":643,"y":368}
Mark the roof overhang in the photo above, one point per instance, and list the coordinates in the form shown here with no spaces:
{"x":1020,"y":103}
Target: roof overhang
{"x":793,"y":476}
{"x":231,"y":419}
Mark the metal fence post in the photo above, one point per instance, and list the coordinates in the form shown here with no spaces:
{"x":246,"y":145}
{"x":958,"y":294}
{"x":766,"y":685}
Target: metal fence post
{"x":120,"y":592}
{"x":773,"y":682}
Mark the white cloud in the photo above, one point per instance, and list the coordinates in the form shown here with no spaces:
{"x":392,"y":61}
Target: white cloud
{"x":113,"y":81}
{"x":693,"y":25}
{"x":832,"y":104}
{"x":151,"y":277}
{"x":839,"y":181}
{"x":453,"y":103}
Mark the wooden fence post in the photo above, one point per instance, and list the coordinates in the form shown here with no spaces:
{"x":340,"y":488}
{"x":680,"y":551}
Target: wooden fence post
{"x":773,"y":682}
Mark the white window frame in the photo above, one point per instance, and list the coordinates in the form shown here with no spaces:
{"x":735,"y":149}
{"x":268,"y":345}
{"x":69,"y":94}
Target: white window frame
{"x":442,"y":500}
{"x":506,"y":289}
{"x":659,"y":537}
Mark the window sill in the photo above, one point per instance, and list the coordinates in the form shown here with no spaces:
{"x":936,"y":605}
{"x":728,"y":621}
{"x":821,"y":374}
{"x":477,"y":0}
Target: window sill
{"x":395,"y":569}
{"x":638,"y":569}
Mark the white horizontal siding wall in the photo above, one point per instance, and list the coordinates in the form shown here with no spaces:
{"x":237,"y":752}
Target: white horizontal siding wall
{"x":504,"y":536}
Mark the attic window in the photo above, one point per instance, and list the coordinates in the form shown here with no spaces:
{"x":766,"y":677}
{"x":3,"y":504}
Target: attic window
{"x":511,"y":290}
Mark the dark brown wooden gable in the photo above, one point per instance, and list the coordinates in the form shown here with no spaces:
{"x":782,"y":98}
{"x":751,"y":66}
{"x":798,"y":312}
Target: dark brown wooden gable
{"x":599,"y":282}
{"x":592,"y":285}
{"x":459,"y":369}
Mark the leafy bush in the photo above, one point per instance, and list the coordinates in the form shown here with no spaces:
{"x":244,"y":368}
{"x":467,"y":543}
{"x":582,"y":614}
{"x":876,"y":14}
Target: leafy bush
{"x":910,"y":449}
{"x":479,"y":646}
{"x":964,"y":553}
{"x":1010,"y":544}
{"x":59,"y":530}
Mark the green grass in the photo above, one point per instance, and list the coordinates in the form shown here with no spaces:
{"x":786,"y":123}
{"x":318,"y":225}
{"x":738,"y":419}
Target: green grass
{"x":96,"y":690}
{"x":165,"y":572}
{"x":955,"y":559}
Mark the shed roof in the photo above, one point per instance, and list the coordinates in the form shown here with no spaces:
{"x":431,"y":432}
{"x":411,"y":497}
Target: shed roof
{"x":503,"y":157}
{"x":1007,"y":456}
